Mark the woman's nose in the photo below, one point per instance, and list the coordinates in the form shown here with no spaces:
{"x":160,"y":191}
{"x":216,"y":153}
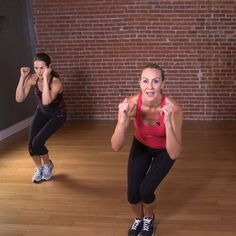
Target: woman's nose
{"x":150,"y":85}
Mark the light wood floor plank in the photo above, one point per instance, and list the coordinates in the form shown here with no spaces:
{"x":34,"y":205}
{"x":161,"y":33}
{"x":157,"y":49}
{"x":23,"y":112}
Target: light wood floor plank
{"x":87,"y":196}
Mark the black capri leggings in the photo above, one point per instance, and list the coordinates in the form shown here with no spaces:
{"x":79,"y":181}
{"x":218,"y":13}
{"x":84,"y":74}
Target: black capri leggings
{"x":43,"y":126}
{"x":147,"y":167}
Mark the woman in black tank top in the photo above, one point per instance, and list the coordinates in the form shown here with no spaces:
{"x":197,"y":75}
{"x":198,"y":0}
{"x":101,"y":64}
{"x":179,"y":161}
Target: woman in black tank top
{"x":50,"y":113}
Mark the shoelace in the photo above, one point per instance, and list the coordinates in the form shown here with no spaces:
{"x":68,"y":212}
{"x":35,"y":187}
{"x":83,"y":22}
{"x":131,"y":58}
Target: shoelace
{"x":38,"y":171}
{"x":48,"y":167}
{"x":146,"y":224}
{"x":136,"y":224}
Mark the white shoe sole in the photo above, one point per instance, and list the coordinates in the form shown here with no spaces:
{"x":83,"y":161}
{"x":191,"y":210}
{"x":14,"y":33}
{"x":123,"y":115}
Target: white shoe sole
{"x":44,"y":179}
{"x":36,"y":182}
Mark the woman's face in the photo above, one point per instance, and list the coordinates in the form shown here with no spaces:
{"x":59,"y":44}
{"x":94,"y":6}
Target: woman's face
{"x":39,"y":67}
{"x":151,"y":83}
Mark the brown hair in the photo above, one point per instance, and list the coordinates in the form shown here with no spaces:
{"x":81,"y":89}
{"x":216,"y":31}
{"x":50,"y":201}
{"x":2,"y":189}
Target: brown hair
{"x":155,"y":66}
{"x":45,"y":58}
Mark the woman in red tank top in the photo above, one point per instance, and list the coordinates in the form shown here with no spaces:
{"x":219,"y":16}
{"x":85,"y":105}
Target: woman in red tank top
{"x":155,"y":147}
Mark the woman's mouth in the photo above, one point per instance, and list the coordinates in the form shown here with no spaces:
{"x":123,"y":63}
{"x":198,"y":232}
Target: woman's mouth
{"x":150,"y":93}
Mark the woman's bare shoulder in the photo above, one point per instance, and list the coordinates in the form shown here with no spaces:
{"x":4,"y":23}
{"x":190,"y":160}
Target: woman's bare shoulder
{"x":57,"y":84}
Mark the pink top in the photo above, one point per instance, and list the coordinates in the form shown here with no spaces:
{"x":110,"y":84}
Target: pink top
{"x":151,"y":136}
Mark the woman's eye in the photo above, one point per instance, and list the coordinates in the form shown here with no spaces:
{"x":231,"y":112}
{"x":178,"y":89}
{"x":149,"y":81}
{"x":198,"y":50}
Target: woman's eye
{"x":156,"y":81}
{"x":145,"y":81}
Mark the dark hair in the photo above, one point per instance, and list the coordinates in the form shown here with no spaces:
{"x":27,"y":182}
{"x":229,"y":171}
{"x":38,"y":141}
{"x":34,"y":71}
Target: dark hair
{"x":45,"y":58}
{"x":155,"y":66}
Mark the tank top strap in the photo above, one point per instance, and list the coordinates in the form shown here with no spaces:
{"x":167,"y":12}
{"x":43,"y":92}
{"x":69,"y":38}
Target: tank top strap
{"x":139,"y":105}
{"x":50,"y":82}
{"x":36,"y":83}
{"x":163,"y":100}
{"x":163,"y":103}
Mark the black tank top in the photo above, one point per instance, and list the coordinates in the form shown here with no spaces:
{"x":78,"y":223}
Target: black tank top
{"x":56,"y":106}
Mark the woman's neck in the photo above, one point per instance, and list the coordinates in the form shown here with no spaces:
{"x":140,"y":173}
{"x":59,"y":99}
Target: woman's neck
{"x":153,"y":104}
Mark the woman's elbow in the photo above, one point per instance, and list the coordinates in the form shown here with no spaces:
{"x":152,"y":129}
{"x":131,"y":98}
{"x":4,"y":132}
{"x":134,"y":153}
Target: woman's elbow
{"x":115,"y":148}
{"x":46,"y":103}
{"x":174,"y":154}
{"x":19,"y":99}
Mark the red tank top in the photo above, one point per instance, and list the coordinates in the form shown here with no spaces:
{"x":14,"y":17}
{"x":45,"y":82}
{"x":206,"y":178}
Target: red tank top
{"x":151,"y":136}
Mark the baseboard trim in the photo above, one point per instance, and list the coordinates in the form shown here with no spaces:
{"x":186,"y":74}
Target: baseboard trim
{"x":15,"y":128}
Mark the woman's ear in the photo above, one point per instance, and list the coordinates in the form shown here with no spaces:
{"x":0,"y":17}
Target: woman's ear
{"x":50,"y":66}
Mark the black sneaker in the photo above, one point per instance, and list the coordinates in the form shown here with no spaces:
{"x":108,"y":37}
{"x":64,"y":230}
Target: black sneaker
{"x":148,"y":227}
{"x":136,"y":227}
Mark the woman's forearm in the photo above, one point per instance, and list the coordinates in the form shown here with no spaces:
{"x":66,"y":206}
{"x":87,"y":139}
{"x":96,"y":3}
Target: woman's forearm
{"x":20,"y":91}
{"x":118,"y":138}
{"x":46,"y":95}
{"x":173,"y":145}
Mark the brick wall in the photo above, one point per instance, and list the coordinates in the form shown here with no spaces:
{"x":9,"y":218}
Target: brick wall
{"x":99,"y":48}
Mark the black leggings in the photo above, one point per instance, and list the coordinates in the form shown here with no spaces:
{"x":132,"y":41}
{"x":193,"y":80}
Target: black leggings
{"x":42,"y":127}
{"x":146,"y":169}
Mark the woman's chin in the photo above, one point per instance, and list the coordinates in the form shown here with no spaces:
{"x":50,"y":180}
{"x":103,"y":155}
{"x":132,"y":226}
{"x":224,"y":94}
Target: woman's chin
{"x":150,"y":97}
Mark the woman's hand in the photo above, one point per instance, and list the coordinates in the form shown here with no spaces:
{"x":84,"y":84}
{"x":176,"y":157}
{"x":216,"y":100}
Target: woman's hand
{"x":167,"y":110}
{"x":47,"y":72}
{"x":118,"y":137}
{"x":173,"y":122}
{"x":123,"y":110}
{"x":24,"y":72}
{"x":24,"y":85}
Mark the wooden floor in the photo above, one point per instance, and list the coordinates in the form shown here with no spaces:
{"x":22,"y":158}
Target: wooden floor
{"x":87,"y":196}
